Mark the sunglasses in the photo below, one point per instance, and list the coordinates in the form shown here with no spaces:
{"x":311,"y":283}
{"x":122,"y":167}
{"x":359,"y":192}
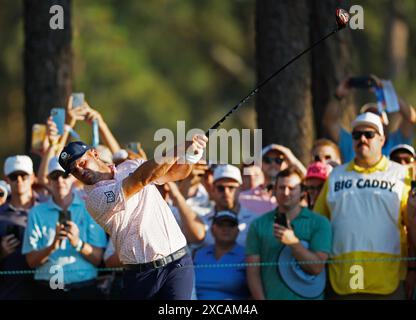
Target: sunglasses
{"x":367,"y":134}
{"x":1,"y":194}
{"x":15,"y":176}
{"x":54,"y":176}
{"x":270,"y":160}
{"x":222,"y":188}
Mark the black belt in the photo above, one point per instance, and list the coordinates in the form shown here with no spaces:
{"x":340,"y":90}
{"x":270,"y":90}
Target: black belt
{"x":157,"y":263}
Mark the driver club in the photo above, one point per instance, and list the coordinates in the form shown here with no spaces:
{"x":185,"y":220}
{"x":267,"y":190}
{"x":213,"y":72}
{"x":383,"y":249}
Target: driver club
{"x":342,"y":18}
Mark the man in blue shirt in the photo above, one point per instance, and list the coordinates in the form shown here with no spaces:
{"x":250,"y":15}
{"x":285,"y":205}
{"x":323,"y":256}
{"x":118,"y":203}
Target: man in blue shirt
{"x":70,"y":244}
{"x":332,"y":123}
{"x":221,"y":282}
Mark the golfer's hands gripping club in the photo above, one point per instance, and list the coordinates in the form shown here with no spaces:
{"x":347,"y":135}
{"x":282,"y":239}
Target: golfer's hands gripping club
{"x":195,"y":149}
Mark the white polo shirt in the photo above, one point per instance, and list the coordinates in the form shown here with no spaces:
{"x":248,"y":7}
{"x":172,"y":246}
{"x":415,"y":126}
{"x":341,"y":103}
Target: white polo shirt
{"x":143,"y":228}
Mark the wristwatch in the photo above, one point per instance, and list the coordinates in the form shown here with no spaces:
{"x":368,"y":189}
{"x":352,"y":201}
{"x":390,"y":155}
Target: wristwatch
{"x":79,"y":246}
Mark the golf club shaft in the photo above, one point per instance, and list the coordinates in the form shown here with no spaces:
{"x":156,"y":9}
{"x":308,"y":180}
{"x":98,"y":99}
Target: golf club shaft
{"x":252,"y":93}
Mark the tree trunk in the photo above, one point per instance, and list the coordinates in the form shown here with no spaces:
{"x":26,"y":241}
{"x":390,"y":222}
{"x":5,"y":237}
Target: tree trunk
{"x":397,"y":41}
{"x":47,"y":61}
{"x":330,"y":62}
{"x":284,"y":106}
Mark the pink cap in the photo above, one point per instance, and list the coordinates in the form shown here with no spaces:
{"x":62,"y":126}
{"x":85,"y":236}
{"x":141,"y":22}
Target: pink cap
{"x":319,"y":170}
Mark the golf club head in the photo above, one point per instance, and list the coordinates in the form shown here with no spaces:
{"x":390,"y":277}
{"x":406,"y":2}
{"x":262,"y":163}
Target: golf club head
{"x":342,"y":18}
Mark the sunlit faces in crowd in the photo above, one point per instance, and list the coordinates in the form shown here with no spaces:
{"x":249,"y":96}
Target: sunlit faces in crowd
{"x":61,"y":183}
{"x":19,"y":175}
{"x":367,"y":142}
{"x":325,"y":150}
{"x":252,"y":177}
{"x":288,"y":188}
{"x":273,"y":161}
{"x":225,"y":228}
{"x":88,"y":168}
{"x":226,"y":187}
{"x":225,"y":193}
{"x":368,"y":137}
{"x":317,"y":173}
{"x":403,"y":154}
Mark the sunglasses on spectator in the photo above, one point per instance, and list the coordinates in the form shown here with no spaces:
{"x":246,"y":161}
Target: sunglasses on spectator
{"x":270,"y":160}
{"x":16,"y":175}
{"x":1,"y":194}
{"x":54,"y":176}
{"x":367,"y":134}
{"x":222,"y":188}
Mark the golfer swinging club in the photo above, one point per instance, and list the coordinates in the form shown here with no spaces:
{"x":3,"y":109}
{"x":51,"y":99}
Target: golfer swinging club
{"x":127,"y":204}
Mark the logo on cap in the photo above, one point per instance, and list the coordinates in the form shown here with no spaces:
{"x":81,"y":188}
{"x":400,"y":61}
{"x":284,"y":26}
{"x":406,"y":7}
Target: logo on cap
{"x":64,"y":155}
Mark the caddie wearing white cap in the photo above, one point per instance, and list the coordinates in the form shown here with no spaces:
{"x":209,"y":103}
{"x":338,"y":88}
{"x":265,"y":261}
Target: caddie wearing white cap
{"x":365,"y":201}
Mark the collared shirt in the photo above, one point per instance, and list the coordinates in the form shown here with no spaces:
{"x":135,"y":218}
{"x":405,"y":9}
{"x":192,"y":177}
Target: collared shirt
{"x":16,"y":286}
{"x":308,"y":226}
{"x":142,"y":228}
{"x":257,"y":200}
{"x":245,"y":217}
{"x":367,"y":209}
{"x":40,"y":233}
{"x":217,"y":281}
{"x":346,"y":146}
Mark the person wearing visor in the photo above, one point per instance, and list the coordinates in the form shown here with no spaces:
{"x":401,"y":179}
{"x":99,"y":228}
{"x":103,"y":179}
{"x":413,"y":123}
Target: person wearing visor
{"x":276,"y":158}
{"x":222,"y":282}
{"x":127,"y":204}
{"x":403,"y":154}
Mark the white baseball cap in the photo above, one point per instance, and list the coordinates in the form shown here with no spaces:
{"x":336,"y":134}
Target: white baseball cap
{"x":227,"y":171}
{"x":5,"y":187}
{"x":373,"y":108}
{"x":406,"y":147}
{"x":369,"y":119}
{"x":54,"y":165}
{"x":18,"y":163}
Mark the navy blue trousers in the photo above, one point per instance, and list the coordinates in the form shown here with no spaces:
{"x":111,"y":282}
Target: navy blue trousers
{"x":171,"y":282}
